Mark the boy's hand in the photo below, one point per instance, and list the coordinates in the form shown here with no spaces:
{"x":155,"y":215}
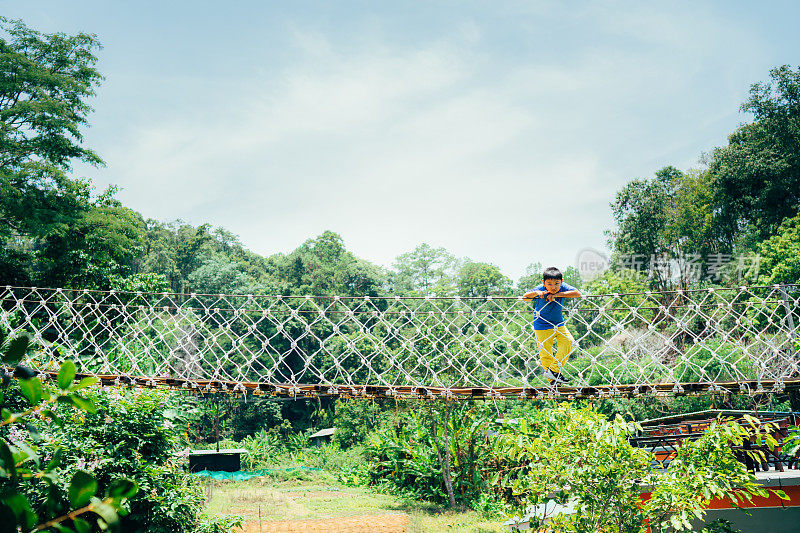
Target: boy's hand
{"x":533,"y":294}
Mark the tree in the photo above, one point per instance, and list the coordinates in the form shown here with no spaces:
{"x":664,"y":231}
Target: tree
{"x":189,"y":250}
{"x":642,"y":212}
{"x":779,"y":256}
{"x":217,"y":274}
{"x":97,"y":244}
{"x":425,"y":271}
{"x":482,"y":280}
{"x":323,"y":266}
{"x":51,"y":230}
{"x":756,"y":177}
{"x":45,"y":81}
{"x":693,"y":223}
{"x":174,"y":250}
{"x":575,"y":455}
{"x":666,"y":228}
{"x":532,"y":277}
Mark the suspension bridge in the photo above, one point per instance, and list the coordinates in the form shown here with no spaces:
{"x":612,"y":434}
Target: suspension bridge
{"x":740,"y":340}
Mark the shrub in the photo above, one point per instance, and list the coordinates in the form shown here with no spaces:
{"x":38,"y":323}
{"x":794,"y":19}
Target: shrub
{"x":130,"y":434}
{"x":115,"y":443}
{"x":576,"y":455}
{"x":354,"y":419}
{"x":37,"y":487}
{"x":405,"y":456}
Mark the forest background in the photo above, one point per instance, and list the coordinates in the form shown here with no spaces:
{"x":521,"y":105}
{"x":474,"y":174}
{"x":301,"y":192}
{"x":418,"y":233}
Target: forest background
{"x":741,"y":201}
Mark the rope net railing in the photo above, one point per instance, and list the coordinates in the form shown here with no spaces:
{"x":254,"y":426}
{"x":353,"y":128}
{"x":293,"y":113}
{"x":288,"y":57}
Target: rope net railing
{"x":737,"y":340}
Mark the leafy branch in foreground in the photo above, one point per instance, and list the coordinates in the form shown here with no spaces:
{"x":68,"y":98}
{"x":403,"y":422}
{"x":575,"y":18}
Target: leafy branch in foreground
{"x":575,"y":456}
{"x":21,"y":466}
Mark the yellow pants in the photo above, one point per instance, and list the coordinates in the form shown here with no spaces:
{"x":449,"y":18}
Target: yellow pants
{"x":545,"y":338}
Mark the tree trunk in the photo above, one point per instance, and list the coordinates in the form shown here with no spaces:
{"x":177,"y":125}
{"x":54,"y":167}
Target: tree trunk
{"x":448,"y":482}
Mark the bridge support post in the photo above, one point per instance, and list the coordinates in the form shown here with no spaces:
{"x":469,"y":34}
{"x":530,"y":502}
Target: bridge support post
{"x":794,"y":394}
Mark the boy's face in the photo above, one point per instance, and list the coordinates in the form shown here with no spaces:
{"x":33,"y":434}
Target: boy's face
{"x":552,"y":285}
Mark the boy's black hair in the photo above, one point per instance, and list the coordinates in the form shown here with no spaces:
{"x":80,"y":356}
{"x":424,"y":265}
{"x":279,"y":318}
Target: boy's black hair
{"x":552,"y":273}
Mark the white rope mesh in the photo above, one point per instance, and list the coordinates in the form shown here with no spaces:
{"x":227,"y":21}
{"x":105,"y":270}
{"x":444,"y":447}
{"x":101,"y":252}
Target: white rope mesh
{"x":740,"y":340}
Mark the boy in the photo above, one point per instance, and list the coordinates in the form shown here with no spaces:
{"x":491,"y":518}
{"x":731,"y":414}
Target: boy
{"x":549,"y":322}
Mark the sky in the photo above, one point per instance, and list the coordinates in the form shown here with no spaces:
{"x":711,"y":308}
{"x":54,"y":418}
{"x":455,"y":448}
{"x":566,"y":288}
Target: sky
{"x":498,"y":130}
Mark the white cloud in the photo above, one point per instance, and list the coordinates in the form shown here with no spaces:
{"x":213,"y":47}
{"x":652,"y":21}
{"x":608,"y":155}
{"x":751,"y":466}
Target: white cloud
{"x":509,"y":161}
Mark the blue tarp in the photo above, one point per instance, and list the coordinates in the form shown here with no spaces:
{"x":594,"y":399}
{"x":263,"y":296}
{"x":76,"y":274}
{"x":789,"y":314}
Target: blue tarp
{"x":243,"y":476}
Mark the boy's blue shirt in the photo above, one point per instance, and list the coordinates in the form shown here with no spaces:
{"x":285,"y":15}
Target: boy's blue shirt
{"x":550,"y":315}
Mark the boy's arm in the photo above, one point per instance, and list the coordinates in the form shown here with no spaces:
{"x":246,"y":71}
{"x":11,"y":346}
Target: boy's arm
{"x":566,"y":294}
{"x":569,"y":294}
{"x":530,"y":295}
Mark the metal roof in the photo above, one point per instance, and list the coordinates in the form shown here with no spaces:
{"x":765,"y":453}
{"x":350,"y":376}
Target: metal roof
{"x":323,"y":433}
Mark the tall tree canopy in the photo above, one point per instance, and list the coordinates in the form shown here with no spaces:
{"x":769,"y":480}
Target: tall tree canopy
{"x":45,"y":82}
{"x":425,"y":271}
{"x":51,"y":230}
{"x":780,"y":255}
{"x":756,"y":177}
{"x":644,"y":210}
{"x":751,"y":185}
{"x":324,"y":266}
{"x":482,"y":279}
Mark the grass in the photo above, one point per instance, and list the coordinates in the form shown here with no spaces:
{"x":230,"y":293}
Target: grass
{"x":303,"y":496}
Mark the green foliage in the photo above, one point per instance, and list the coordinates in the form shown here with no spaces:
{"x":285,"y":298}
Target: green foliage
{"x":666,"y":228}
{"x":702,"y":470}
{"x":331,"y":457}
{"x":750,"y":187}
{"x":791,"y":444}
{"x":150,"y":282}
{"x":127,"y":435}
{"x":217,"y":274}
{"x":323,"y":266}
{"x":50,"y":228}
{"x":221,"y":524}
{"x":72,"y":455}
{"x":355,"y":475}
{"x":723,"y":361}
{"x":643,"y":211}
{"x":135,"y":434}
{"x":267,"y":448}
{"x":354,"y":419}
{"x":40,"y":488}
{"x":595,"y":327}
{"x":574,"y":454}
{"x":236,"y":419}
{"x":755,"y":179}
{"x":46,"y":81}
{"x":780,"y":255}
{"x":405,"y":457}
{"x":482,"y":279}
{"x":617,"y":282}
{"x":425,"y":271}
{"x":720,"y":525}
{"x":565,"y":453}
